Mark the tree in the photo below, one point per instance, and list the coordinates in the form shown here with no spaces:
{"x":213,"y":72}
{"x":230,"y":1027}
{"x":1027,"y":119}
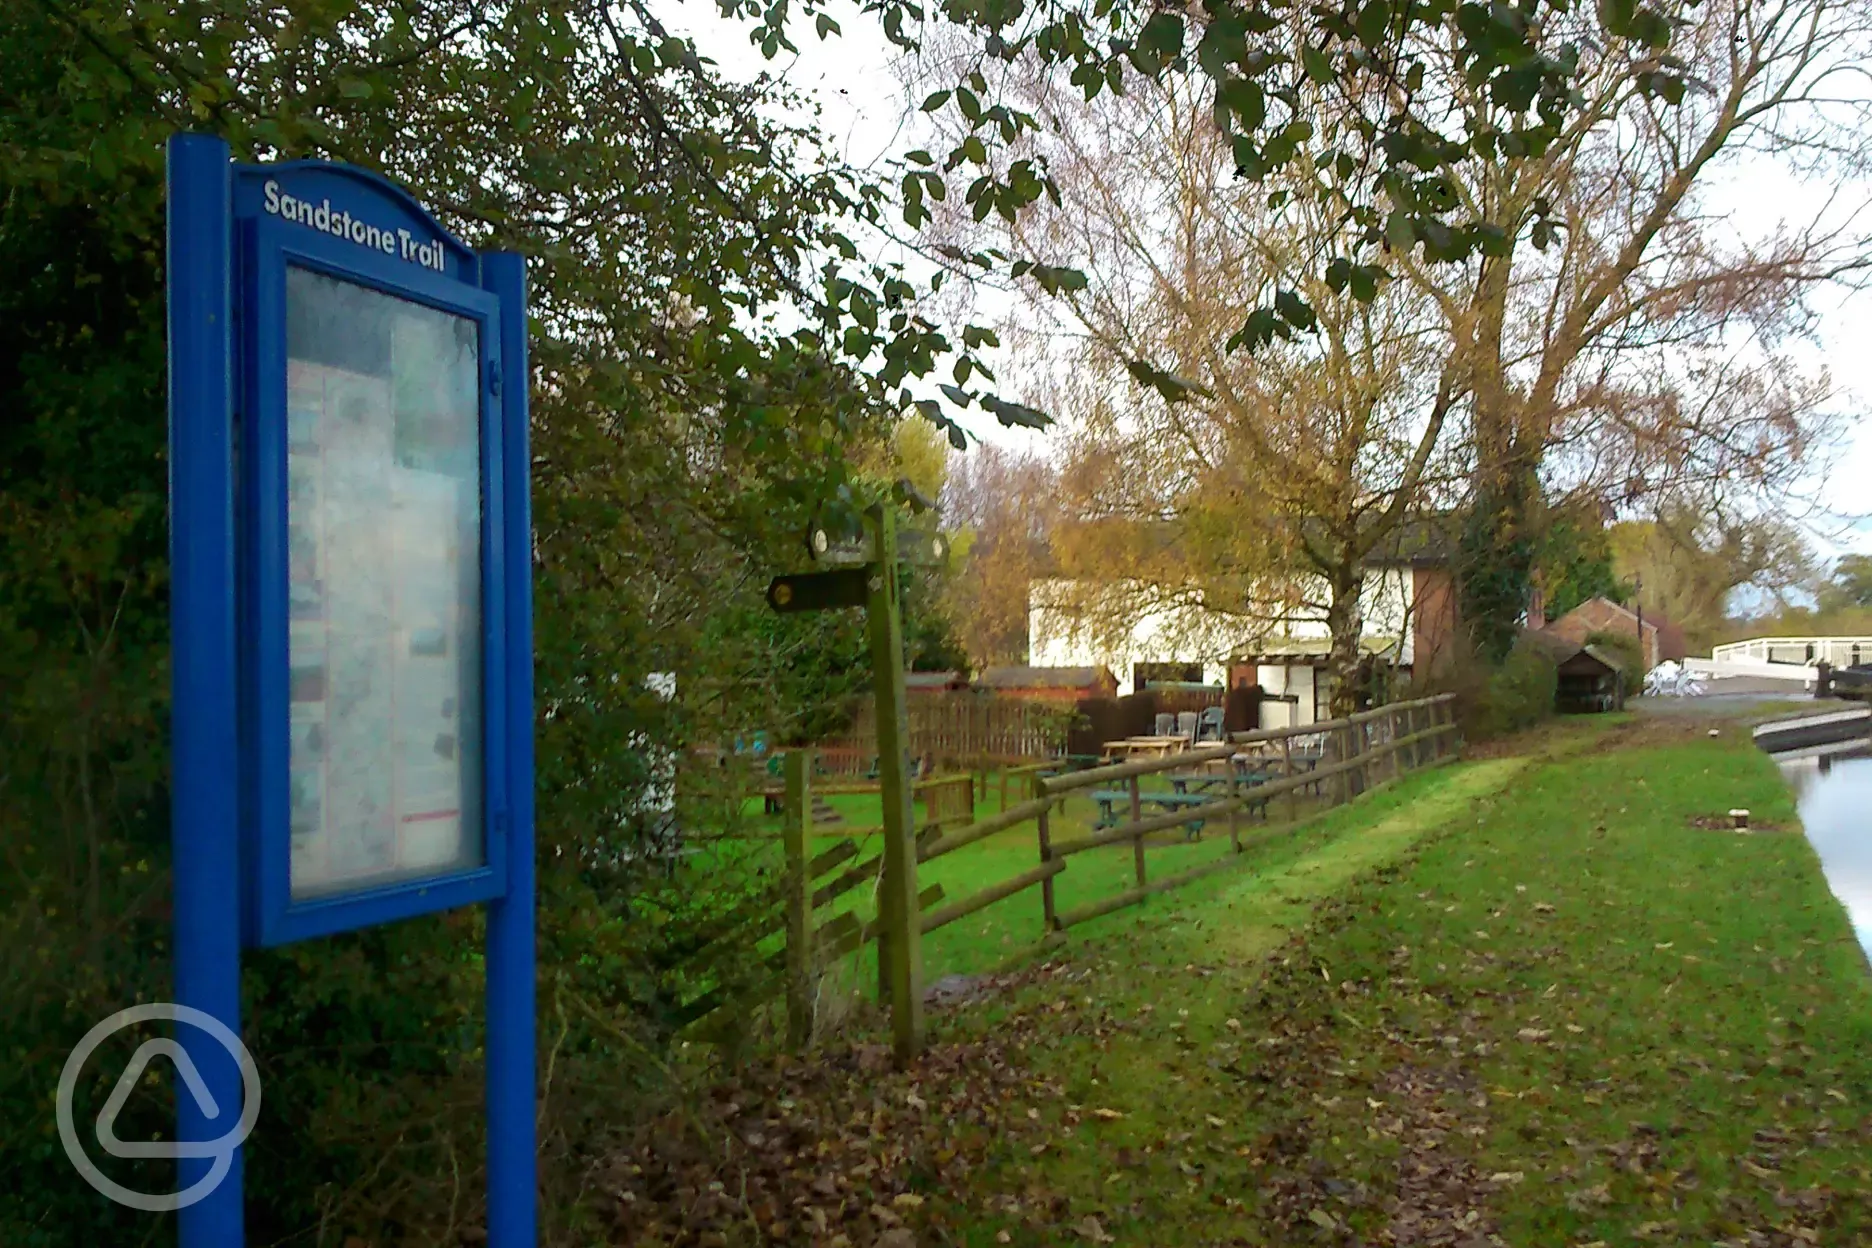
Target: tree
{"x":1000,"y":507}
{"x":1255,"y":61}
{"x":1203,"y":483}
{"x":1851,"y":584}
{"x":1613,"y":339}
{"x":1576,"y":562}
{"x":1688,"y":563}
{"x":684,"y":427}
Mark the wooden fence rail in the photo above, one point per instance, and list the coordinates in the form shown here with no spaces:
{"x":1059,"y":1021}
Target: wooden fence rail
{"x":1356,"y":755}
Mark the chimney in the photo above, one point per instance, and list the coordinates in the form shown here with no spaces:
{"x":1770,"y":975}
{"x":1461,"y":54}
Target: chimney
{"x":1537,"y":604}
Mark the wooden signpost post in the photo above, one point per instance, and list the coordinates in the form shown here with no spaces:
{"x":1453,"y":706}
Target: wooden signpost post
{"x":865,"y":573}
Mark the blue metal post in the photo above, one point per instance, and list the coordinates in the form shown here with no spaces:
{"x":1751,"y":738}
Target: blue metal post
{"x":204,"y":733}
{"x":513,"y":1190}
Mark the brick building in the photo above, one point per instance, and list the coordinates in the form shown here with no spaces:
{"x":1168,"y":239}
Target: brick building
{"x":1662,"y":638}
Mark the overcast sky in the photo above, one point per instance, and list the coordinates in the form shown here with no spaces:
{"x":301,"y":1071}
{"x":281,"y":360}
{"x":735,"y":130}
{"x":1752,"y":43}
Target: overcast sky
{"x":863,"y":108}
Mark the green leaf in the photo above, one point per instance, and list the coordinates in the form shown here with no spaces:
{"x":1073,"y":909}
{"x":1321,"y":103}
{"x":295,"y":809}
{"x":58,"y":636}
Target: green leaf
{"x":935,"y":101}
{"x":1373,"y":21}
{"x":1173,"y":388}
{"x":1318,"y":65}
{"x":1366,"y":279}
{"x":1295,"y":310}
{"x":1163,"y":34}
{"x":1015,"y":413}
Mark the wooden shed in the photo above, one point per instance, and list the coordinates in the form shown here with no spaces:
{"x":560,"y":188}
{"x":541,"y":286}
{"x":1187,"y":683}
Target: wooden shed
{"x":1590,"y":679}
{"x":934,"y":682}
{"x":1048,"y":684}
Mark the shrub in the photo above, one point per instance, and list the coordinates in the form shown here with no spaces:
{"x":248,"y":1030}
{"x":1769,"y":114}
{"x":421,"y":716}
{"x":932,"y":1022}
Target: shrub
{"x":1517,"y":695}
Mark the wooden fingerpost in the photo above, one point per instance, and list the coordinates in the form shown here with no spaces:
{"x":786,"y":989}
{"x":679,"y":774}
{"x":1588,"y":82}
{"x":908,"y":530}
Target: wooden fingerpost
{"x":799,"y":907}
{"x":1137,"y":841}
{"x":900,"y":951}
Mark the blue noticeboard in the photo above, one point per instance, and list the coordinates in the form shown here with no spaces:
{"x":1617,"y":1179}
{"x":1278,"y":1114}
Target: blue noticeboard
{"x":350,"y":550}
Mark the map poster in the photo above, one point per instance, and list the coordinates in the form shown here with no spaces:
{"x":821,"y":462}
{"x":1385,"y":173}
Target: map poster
{"x":383,"y":596}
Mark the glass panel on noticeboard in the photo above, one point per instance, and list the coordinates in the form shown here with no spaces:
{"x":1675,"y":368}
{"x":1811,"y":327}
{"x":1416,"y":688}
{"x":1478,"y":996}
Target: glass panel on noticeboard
{"x":383,"y":531}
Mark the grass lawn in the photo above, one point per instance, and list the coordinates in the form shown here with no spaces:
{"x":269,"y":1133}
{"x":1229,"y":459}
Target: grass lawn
{"x":1569,"y":1017}
{"x":1522,"y":1000}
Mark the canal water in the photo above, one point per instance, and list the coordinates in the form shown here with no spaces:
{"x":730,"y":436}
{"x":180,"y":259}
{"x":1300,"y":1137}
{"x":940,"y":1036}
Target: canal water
{"x":1834,"y":787}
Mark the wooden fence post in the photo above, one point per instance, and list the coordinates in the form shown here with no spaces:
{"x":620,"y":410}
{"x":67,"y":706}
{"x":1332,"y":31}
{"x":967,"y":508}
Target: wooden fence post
{"x":1049,"y":913}
{"x":1342,"y":755}
{"x":900,"y":951}
{"x":799,"y":933}
{"x":1287,"y":773}
{"x":1355,"y":739}
{"x":1234,"y":805}
{"x":1137,"y":842}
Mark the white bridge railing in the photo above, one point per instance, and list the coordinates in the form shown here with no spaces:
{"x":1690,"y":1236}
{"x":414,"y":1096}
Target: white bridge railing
{"x":1794,"y":652}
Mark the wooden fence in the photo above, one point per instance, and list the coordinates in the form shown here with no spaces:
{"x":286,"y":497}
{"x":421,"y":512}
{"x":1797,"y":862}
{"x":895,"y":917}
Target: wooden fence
{"x":1339,"y":760}
{"x":965,"y":728}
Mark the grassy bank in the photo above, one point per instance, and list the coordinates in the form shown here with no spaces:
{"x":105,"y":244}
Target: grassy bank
{"x":1572,"y":1017}
{"x":1524,"y":1000}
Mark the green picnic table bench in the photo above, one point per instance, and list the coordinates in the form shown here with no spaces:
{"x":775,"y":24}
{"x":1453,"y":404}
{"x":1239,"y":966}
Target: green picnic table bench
{"x":1110,"y":801}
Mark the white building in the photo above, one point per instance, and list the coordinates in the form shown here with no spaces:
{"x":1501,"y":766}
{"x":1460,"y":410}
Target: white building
{"x":1285,"y":656}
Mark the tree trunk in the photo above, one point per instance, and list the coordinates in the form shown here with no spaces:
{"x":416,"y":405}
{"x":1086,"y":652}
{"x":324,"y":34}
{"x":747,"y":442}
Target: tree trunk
{"x":1496,"y":562}
{"x":1346,"y":621}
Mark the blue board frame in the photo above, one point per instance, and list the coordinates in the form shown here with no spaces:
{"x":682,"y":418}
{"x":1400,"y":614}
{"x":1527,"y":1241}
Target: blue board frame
{"x":221,"y":238}
{"x":269,"y":248}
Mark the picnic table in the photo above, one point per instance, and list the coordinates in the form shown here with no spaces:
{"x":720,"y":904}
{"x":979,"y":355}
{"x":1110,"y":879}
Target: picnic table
{"x":1109,"y":799}
{"x":1145,"y":747}
{"x":1177,"y":799}
{"x":1263,"y":764}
